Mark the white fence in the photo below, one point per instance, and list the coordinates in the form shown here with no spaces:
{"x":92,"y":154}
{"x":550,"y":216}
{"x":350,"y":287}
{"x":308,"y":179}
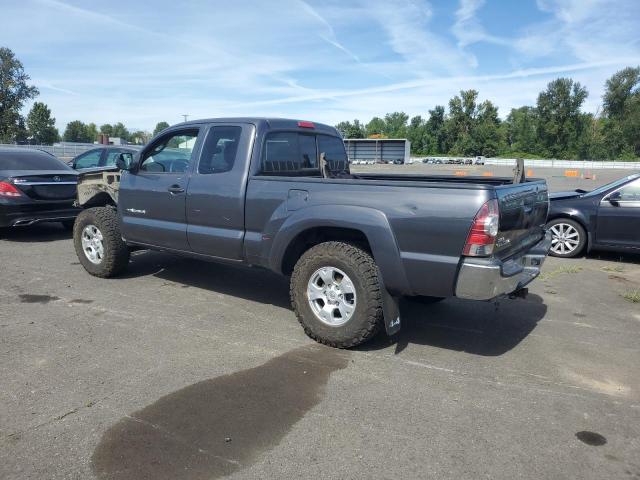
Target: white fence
{"x":571,"y":164}
{"x":66,"y":150}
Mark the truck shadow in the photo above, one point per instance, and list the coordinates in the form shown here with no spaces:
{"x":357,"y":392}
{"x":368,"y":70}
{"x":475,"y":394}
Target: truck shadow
{"x":253,"y":284}
{"x":40,"y":232}
{"x":478,"y":328}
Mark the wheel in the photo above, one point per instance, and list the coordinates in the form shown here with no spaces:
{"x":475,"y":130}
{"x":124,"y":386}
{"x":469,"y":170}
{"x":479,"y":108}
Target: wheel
{"x":426,"y":300}
{"x":68,"y":224}
{"x":335,"y":293}
{"x":98,"y":244}
{"x":568,"y":238}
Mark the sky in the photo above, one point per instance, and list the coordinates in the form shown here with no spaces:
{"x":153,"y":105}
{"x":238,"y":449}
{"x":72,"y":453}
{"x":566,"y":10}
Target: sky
{"x":326,"y":60}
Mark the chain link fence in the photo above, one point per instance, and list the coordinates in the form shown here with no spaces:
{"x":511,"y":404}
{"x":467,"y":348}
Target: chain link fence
{"x":63,"y":151}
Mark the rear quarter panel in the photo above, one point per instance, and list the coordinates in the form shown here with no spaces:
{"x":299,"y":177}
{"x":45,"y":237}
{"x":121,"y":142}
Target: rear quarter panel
{"x":416,"y":232}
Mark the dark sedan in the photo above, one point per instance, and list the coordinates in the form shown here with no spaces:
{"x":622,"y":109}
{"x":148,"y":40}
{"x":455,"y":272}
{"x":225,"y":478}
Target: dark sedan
{"x":35,"y":187}
{"x":104,"y":156}
{"x":607,"y":218}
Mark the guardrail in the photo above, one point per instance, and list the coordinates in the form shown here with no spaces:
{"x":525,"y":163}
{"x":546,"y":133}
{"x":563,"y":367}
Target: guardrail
{"x":548,"y":163}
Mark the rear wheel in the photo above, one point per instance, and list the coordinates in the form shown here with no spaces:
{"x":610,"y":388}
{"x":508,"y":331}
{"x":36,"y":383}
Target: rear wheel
{"x":336,"y":294}
{"x":568,"y":238}
{"x":98,"y":244}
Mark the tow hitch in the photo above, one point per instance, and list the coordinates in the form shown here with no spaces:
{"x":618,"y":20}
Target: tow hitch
{"x":519,"y":293}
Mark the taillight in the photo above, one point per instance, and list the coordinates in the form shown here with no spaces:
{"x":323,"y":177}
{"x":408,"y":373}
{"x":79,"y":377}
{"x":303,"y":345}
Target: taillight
{"x":482,"y":236}
{"x":305,"y":124}
{"x":9,"y":190}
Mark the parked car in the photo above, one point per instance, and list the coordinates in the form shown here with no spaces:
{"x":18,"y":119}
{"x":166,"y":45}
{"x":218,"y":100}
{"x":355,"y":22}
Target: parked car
{"x":480,"y":160}
{"x":278,"y":194}
{"x":104,"y":156}
{"x":607,"y":218}
{"x":35,"y":187}
{"x":468,"y":161}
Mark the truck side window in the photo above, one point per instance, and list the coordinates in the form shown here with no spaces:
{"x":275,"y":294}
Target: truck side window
{"x":334,"y":153}
{"x":290,"y":153}
{"x":170,"y":154}
{"x":88,"y":160}
{"x":220,"y":150}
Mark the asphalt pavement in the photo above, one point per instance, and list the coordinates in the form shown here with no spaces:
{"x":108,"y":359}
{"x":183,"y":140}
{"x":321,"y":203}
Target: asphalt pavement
{"x":189,"y":370}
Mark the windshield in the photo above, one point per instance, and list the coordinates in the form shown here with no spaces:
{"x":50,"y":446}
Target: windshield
{"x":614,"y":184}
{"x":30,"y":160}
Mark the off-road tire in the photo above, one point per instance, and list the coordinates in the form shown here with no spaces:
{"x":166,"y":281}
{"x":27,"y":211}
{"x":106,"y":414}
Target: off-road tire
{"x":582,"y":235}
{"x":116,"y":253}
{"x":367,"y":318}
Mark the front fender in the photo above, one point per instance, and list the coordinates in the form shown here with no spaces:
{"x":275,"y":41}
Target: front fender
{"x":371,"y":222}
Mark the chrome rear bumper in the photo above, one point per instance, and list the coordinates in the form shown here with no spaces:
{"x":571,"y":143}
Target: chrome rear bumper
{"x":487,"y":278}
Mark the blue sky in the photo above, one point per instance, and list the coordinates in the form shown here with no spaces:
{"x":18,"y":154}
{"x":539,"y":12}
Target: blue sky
{"x":143,"y":62}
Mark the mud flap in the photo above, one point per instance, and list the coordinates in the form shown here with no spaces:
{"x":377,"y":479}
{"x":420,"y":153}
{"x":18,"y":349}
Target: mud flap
{"x":390,"y":309}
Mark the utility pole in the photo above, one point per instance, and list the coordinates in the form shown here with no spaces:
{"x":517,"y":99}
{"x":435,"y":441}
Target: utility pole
{"x":185,"y":116}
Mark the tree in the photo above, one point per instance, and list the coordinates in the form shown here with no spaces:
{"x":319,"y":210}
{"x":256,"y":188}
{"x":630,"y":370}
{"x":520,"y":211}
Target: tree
{"x":561,"y":126}
{"x":351,"y":130}
{"x":621,"y":101}
{"x":416,"y":134}
{"x":106,"y":129}
{"x":139,"y":137}
{"x":520,"y":129}
{"x":435,"y":133}
{"x":120,"y":131}
{"x":395,"y":125}
{"x":159,"y":127}
{"x":14,"y":92}
{"x":41,"y":125}
{"x":77,"y":131}
{"x":375,"y":127}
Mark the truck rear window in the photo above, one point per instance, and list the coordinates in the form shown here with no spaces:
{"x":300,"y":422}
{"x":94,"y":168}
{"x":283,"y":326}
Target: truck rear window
{"x":290,"y":153}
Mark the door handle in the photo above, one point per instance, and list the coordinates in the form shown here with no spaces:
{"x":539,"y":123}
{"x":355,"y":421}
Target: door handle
{"x":174,"y":189}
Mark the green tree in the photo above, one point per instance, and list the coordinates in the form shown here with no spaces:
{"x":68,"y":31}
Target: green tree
{"x":120,"y":131}
{"x":14,"y":92}
{"x":106,"y":129}
{"x":91,"y":132}
{"x":621,"y":129}
{"x":395,"y":125}
{"x":520,"y":126}
{"x":561,"y":125}
{"x":41,"y":125}
{"x":376,"y":126}
{"x":417,"y":135}
{"x":351,"y":130}
{"x":139,"y":137}
{"x":77,"y":131}
{"x":435,"y":132}
{"x":159,"y":127}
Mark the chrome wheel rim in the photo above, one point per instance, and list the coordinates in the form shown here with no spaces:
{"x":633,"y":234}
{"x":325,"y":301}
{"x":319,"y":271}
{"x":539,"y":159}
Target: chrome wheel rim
{"x":92,"y":244}
{"x":565,"y":238}
{"x":332,"y":296}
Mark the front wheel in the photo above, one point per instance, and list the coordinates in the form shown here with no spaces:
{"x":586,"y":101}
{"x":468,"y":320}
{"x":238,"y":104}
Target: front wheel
{"x":98,"y":244}
{"x":568,"y":238}
{"x":336,"y":294}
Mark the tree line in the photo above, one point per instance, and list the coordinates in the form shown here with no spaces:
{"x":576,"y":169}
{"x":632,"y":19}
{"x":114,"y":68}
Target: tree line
{"x":39,"y":125}
{"x":555,"y":127}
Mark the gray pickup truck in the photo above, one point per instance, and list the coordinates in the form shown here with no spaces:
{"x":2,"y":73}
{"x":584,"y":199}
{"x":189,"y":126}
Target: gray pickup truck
{"x":279,"y":194}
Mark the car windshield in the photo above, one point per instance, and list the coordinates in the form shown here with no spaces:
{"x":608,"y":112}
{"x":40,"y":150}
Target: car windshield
{"x":611,"y":185}
{"x":33,"y":160}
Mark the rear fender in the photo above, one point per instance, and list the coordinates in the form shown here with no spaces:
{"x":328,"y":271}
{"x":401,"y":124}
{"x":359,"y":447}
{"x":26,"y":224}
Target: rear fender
{"x":372,"y":223}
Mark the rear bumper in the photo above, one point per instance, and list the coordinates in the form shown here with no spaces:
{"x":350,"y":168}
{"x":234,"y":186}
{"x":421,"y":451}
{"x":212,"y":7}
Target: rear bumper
{"x":484,"y":279}
{"x":21,"y":215}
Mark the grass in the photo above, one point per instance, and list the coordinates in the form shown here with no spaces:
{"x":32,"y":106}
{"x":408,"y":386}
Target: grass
{"x":632,"y":296}
{"x":559,"y":271}
{"x":617,"y":268}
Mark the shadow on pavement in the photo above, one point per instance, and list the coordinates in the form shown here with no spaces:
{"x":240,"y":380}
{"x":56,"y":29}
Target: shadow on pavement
{"x":474,"y":327}
{"x":252,"y":284}
{"x":614,"y":256}
{"x":478,"y":328}
{"x":40,"y":232}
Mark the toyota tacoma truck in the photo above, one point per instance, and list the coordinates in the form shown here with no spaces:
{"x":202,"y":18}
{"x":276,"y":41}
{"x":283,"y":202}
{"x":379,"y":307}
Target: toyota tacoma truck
{"x":279,"y":194}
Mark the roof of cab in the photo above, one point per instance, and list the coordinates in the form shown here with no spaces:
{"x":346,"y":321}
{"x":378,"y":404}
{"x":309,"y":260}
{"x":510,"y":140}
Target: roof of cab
{"x":272,"y":123}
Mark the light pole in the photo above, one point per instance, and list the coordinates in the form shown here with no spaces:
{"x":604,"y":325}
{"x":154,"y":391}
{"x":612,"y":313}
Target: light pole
{"x":185,"y":116}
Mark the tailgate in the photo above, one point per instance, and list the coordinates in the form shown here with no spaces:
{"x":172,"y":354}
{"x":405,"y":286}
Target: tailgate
{"x":523,"y":215}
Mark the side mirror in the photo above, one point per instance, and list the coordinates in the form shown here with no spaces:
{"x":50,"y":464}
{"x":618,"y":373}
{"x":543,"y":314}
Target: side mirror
{"x":124,"y":161}
{"x":614,"y":198}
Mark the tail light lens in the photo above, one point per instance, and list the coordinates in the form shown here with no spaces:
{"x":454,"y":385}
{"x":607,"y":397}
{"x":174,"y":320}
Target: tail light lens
{"x":482,"y":236}
{"x":9,"y":190}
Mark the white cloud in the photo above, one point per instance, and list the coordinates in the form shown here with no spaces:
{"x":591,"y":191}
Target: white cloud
{"x":468,"y":29}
